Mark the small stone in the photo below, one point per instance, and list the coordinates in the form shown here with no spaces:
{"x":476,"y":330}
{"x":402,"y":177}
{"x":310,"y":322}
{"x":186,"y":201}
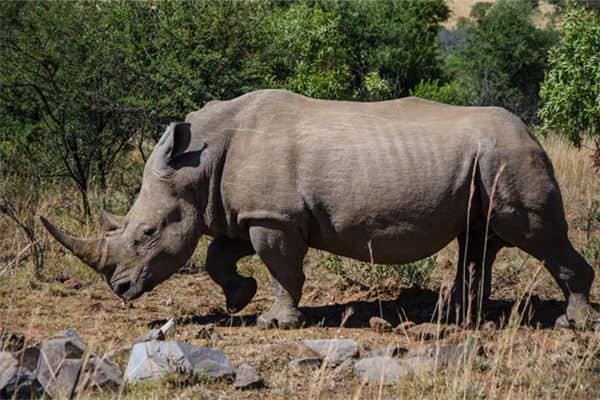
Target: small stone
{"x":380,"y":370}
{"x":154,"y":359}
{"x":72,"y":283}
{"x":311,"y":363}
{"x":380,"y":325}
{"x":169,"y":302}
{"x":390,"y":351}
{"x":334,"y":351}
{"x":96,"y":307}
{"x":168,"y":329}
{"x":293,"y":350}
{"x":430,"y":331}
{"x":403,"y":327}
{"x":126,"y":304}
{"x":451,"y":355}
{"x":247,"y":377}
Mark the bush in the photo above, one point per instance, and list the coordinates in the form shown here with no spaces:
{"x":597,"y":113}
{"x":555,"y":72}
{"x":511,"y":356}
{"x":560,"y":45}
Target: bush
{"x":449,"y":93}
{"x":501,"y":62}
{"x":571,"y":88}
{"x":417,"y":273}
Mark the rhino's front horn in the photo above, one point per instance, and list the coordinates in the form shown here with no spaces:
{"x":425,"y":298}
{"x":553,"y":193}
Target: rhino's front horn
{"x":112,"y":222}
{"x":93,"y":252}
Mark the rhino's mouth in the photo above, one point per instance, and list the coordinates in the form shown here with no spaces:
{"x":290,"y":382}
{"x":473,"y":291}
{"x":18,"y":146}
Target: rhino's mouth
{"x":128,"y":288}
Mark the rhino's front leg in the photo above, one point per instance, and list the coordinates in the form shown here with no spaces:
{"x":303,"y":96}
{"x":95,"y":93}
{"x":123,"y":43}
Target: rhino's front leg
{"x":282,"y":248}
{"x":221,"y":258}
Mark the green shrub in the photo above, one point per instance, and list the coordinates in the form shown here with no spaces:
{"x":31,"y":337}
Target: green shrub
{"x":571,"y":88}
{"x":502,"y":59}
{"x":417,"y":273}
{"x":450,"y":93}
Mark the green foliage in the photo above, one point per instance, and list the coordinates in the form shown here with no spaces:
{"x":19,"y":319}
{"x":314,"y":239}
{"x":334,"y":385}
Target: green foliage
{"x":306,"y":54}
{"x":80,"y":80}
{"x":377,"y":88}
{"x":450,"y":93}
{"x":398,"y":39}
{"x":417,"y":273}
{"x":501,"y":62}
{"x":571,"y":89}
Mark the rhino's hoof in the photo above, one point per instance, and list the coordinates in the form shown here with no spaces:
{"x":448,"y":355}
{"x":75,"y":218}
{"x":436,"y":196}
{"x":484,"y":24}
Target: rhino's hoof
{"x":562,"y":322}
{"x":239,"y":293}
{"x":579,"y":316}
{"x":280,"y":317}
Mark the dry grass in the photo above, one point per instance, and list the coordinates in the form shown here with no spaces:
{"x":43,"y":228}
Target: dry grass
{"x":521,"y":359}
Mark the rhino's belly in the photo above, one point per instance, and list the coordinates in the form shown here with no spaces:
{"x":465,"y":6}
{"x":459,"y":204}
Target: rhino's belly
{"x":392,"y":236}
{"x":393,"y":246}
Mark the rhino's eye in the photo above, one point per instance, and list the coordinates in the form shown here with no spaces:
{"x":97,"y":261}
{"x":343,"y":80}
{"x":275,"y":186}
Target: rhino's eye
{"x":150,"y":231}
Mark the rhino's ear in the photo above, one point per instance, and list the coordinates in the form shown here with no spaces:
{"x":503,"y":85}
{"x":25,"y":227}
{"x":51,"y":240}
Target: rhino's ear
{"x":176,"y":146}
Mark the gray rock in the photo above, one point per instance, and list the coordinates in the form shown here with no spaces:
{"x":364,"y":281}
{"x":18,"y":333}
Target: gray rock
{"x":380,"y":324}
{"x":30,"y":357}
{"x":430,"y":331}
{"x":453,"y":355}
{"x":152,"y":360}
{"x":306,"y":363}
{"x":419,"y":364}
{"x":59,"y":363}
{"x":334,"y":351}
{"x":15,"y":381}
{"x":65,"y":370}
{"x":247,"y":377}
{"x":99,"y":373}
{"x":381,"y":370}
{"x":390,"y":351}
{"x":153,"y":334}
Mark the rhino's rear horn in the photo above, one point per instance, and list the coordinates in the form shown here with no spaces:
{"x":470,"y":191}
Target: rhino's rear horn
{"x":112,"y":222}
{"x":93,"y":252}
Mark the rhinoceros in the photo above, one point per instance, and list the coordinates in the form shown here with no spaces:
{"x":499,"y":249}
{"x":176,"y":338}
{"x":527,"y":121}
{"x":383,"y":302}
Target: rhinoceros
{"x":275,"y":173}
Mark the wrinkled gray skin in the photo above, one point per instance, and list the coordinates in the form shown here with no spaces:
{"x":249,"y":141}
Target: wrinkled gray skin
{"x":274,"y":173}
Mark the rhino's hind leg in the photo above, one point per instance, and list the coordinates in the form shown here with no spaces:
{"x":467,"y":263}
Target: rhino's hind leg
{"x":547,"y":240}
{"x":574,"y":276}
{"x":282,"y":248}
{"x":221,"y":258}
{"x":473,"y":282}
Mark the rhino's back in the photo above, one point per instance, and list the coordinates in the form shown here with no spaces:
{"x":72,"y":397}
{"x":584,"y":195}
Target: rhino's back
{"x":350,"y":173}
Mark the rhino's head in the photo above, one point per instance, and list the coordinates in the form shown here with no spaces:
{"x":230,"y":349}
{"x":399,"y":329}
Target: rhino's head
{"x":160,"y":232}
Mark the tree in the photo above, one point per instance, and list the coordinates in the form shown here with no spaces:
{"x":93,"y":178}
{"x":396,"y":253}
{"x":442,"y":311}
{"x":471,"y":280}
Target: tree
{"x":395,"y":41}
{"x":64,"y":92}
{"x":502,"y":59}
{"x":571,"y":88}
{"x":79,"y":80}
{"x":306,"y":53}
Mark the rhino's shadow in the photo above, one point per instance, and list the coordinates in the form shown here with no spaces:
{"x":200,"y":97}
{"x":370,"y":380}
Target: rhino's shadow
{"x":414,"y":304}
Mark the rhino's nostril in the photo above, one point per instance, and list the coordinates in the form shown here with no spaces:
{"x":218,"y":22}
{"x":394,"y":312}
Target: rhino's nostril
{"x":122,"y":288}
